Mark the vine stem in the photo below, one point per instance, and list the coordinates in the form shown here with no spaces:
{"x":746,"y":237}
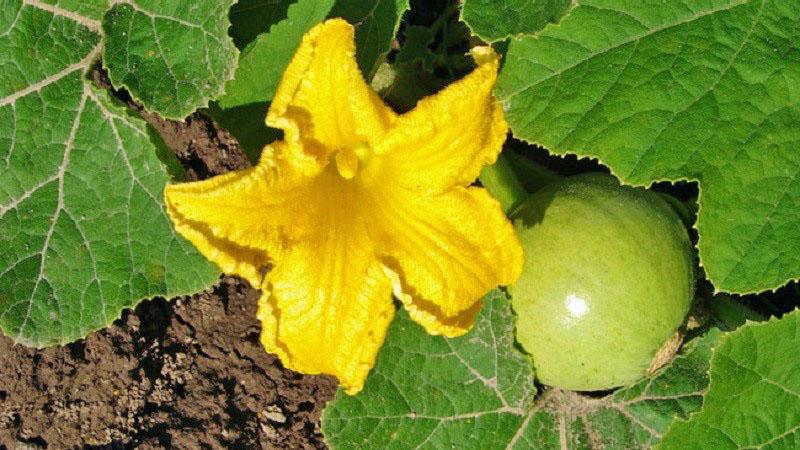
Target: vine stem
{"x":504,"y":185}
{"x":512,"y":178}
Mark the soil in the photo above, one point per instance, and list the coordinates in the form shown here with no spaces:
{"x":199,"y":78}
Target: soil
{"x":188,"y":373}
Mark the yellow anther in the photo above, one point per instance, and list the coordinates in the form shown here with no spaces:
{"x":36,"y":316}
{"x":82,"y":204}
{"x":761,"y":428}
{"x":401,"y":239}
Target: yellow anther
{"x":347,"y":159}
{"x":347,"y":163}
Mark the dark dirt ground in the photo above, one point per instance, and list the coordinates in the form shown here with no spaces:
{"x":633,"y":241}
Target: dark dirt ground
{"x":185,"y":374}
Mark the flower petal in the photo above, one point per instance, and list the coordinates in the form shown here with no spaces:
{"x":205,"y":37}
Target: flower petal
{"x":327,"y":305}
{"x":445,"y":252}
{"x":323,"y":99}
{"x":241,"y":220}
{"x":450,"y":136}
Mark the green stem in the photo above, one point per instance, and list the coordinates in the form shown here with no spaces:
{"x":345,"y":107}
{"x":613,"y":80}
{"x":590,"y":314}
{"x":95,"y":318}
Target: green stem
{"x":502,"y":182}
{"x":513,"y":178}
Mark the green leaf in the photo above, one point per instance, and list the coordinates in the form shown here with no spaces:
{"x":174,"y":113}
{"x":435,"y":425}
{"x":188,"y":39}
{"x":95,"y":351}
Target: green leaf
{"x":263,"y":61}
{"x":376,"y":23}
{"x":438,"y":392}
{"x":172,"y":56}
{"x":698,"y":90}
{"x":753,"y":400}
{"x":82,"y":225}
{"x":493,"y":20}
{"x":477,"y":392}
{"x":249,"y":18}
{"x":91,"y":9}
{"x":402,"y":85}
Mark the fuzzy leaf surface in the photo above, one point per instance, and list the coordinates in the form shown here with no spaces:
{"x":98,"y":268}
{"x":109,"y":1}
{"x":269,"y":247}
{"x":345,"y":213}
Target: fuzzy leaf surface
{"x":172,"y":56}
{"x":701,"y":90}
{"x":477,"y":392}
{"x":90,"y":9}
{"x":493,"y":20}
{"x":753,"y":400}
{"x":82,"y":225}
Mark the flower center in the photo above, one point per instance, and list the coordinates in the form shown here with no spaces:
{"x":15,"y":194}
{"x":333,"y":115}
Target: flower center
{"x":348,"y":158}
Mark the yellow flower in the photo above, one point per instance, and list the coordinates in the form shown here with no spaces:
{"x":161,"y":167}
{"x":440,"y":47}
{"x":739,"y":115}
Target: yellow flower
{"x":357,"y":203}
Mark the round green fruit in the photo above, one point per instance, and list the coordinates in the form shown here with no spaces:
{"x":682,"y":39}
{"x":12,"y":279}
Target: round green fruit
{"x":608,"y":279}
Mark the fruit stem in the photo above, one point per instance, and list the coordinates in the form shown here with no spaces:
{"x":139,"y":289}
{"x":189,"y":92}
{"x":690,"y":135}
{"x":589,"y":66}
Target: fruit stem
{"x":512,"y":178}
{"x":504,"y":185}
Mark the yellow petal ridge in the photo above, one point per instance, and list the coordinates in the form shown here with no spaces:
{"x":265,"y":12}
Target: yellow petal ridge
{"x":206,"y":221}
{"x":323,"y":100}
{"x":346,"y":163}
{"x":243,"y":220}
{"x":450,"y":136}
{"x":445,"y":252}
{"x":327,"y":304}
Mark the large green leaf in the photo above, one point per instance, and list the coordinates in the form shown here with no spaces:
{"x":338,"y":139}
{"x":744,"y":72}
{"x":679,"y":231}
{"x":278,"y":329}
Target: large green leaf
{"x":477,"y":392}
{"x":82,"y":225}
{"x":467,"y":392}
{"x":262,"y":62}
{"x":705,"y":90}
{"x":753,"y":400}
{"x":173,"y":56}
{"x":494,"y":20}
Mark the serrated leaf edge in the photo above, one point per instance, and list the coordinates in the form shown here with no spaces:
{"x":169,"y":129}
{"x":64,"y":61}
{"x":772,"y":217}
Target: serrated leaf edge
{"x":624,"y":181}
{"x":230,"y":69}
{"x":724,"y":337}
{"x":515,"y":36}
{"x":84,"y":66}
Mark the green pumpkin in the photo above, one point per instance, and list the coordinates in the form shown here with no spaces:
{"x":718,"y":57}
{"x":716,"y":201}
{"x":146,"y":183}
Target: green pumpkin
{"x":608,"y":279}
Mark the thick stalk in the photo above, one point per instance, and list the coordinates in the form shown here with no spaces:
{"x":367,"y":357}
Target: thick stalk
{"x":513,"y":177}
{"x":502,"y":182}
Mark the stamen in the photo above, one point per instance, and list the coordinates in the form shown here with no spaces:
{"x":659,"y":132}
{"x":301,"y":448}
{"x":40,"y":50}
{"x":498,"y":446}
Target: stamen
{"x":347,"y":163}
{"x":347,"y":159}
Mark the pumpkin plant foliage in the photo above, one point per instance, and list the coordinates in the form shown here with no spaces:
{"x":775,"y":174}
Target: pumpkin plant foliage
{"x":172,"y":56}
{"x":705,"y":92}
{"x":494,"y":21}
{"x":752,"y":399}
{"x":82,"y":222}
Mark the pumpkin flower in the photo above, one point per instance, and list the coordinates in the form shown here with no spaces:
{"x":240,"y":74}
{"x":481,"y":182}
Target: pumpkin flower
{"x":355,"y":204}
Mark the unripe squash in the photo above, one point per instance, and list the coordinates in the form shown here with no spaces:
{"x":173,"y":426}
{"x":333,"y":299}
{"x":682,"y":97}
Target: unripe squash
{"x":608,"y":279}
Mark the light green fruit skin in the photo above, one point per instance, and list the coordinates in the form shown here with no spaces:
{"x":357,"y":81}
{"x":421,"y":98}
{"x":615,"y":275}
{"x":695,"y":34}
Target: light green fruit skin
{"x":608,"y":278}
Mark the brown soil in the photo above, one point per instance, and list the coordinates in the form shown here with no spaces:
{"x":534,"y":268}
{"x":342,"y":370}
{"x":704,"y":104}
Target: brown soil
{"x":185,"y":374}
